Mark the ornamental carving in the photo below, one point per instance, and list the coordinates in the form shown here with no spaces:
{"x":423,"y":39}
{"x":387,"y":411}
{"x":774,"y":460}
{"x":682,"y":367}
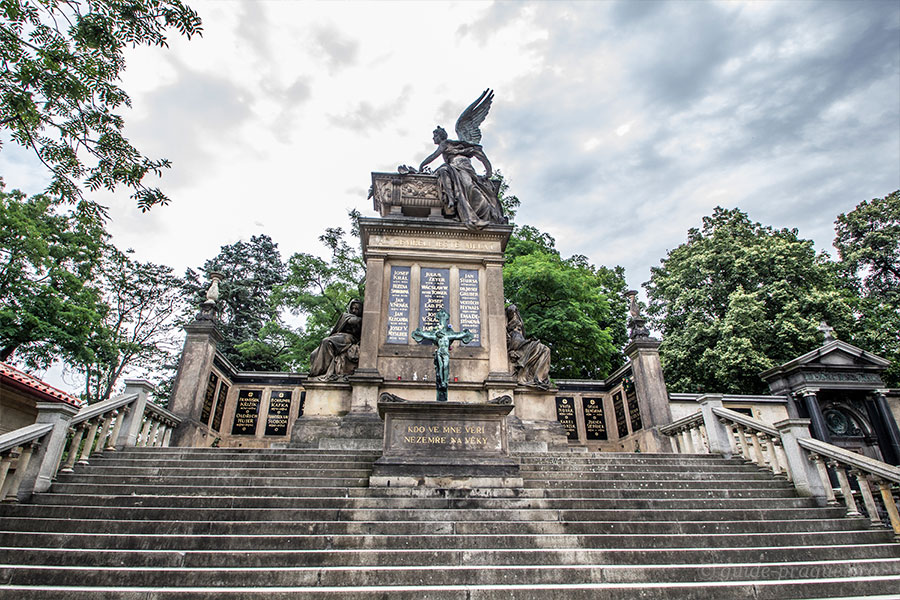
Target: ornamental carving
{"x":419,"y":189}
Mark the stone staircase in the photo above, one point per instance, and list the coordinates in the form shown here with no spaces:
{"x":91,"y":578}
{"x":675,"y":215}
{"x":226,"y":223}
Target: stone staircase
{"x":157,"y":523}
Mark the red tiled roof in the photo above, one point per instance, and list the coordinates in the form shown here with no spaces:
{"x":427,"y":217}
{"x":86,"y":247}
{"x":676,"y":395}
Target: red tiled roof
{"x":26,"y":382}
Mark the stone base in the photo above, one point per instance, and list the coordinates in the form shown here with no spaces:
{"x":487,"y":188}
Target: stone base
{"x":445,"y":444}
{"x":363,"y":431}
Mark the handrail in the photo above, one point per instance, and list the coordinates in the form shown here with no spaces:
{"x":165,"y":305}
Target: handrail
{"x":744,"y":420}
{"x":24,"y":435}
{"x":94,"y":410}
{"x":161,"y":412}
{"x":673,"y":427}
{"x":854,"y":460}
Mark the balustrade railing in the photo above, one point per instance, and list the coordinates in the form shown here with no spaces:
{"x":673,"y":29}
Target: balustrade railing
{"x":788,"y":451}
{"x":63,"y":437}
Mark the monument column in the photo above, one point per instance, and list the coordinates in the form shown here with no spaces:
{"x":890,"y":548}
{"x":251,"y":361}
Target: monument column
{"x":817,"y":419}
{"x":496,"y":316}
{"x":890,"y":426}
{"x":372,"y":314}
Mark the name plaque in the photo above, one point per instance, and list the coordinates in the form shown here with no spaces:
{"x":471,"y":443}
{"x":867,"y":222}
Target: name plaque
{"x":398,"y":306}
{"x":246,"y":415}
{"x":565,"y":414}
{"x":619,"y":410}
{"x":208,"y":398}
{"x":279,"y":411}
{"x":634,"y":412}
{"x":220,"y":407}
{"x":469,"y":305}
{"x":433,"y":296}
{"x":594,"y":419}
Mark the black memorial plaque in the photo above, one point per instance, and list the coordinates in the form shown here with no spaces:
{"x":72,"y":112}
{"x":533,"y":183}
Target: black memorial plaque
{"x":594,"y":419}
{"x":434,"y":295}
{"x":469,"y":305}
{"x":565,"y":414}
{"x":398,"y":306}
{"x":634,"y":411}
{"x":208,"y":398}
{"x":619,"y":410}
{"x":246,"y":415}
{"x":279,"y":411}
{"x":220,"y":407}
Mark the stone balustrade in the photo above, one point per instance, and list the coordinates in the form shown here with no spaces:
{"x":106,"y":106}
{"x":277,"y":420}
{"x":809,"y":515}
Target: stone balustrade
{"x":788,"y":451}
{"x":64,"y":436}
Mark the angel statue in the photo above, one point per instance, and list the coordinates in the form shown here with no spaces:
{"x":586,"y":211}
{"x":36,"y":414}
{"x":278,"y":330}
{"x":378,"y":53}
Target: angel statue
{"x":468,"y":197}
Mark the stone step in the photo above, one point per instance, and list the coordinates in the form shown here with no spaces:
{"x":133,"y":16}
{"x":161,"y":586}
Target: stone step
{"x":873,"y":588}
{"x":419,"y":523}
{"x":781,"y":490}
{"x":698,"y":483}
{"x":270,"y":481}
{"x":414,"y":557}
{"x":392,"y":513}
{"x":223,"y":471}
{"x":97,"y":502}
{"x":443,"y":575}
{"x":641,"y":475}
{"x":89,"y":540}
{"x":237,"y":463}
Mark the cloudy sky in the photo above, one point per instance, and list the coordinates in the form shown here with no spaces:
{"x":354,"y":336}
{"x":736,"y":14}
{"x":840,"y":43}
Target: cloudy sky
{"x":618,"y":124}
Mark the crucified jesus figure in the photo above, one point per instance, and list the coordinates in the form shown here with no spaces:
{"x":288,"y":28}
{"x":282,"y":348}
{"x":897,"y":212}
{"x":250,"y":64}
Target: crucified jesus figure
{"x":442,"y":336}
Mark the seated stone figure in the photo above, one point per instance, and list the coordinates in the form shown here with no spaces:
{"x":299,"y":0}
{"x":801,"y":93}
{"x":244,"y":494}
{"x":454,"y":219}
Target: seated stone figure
{"x":338,"y":354}
{"x":529,"y":357}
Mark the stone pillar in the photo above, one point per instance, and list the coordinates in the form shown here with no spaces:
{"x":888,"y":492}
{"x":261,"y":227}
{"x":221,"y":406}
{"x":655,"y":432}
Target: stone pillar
{"x":372,"y":315}
{"x":804,"y":473}
{"x":892,"y":434}
{"x":717,"y":434}
{"x":193,"y":373}
{"x":133,"y":419}
{"x":817,"y":419}
{"x":650,"y":389}
{"x":498,"y":360}
{"x":45,"y":457}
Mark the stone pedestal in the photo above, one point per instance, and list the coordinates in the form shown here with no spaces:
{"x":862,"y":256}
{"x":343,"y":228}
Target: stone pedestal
{"x":191,"y":379}
{"x":446,"y":444}
{"x":651,"y":392}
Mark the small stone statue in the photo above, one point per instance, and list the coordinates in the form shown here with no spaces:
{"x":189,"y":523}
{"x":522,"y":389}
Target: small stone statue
{"x":530,"y":358}
{"x":468,"y":197}
{"x":208,"y":306}
{"x":638,"y":323}
{"x":442,"y":335}
{"x":338,"y":354}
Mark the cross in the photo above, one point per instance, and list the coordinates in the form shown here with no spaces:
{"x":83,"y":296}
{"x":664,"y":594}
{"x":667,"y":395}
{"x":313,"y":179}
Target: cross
{"x":442,"y":335}
{"x":828,"y":331}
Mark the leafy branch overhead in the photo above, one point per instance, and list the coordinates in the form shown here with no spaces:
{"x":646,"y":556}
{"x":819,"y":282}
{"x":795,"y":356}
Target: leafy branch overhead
{"x":61,"y":63}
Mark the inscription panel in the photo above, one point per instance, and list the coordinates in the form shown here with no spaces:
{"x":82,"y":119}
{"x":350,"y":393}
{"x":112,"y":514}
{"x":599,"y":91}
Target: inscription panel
{"x":565,"y":414}
{"x":447,"y":435}
{"x":634,"y":411}
{"x":433,"y":242}
{"x":619,"y":410}
{"x":594,"y":419}
{"x":246,"y":415}
{"x":433,"y":296}
{"x":469,"y":304}
{"x":398,"y":306}
{"x":220,"y":407}
{"x":208,"y":398}
{"x":279,"y":412}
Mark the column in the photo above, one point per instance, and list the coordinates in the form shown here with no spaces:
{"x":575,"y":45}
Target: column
{"x":194,"y":366}
{"x":890,"y":428}
{"x":817,"y":420}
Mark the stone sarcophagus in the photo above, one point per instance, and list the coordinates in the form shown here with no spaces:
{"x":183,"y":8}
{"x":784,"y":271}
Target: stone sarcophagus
{"x":409,"y":195}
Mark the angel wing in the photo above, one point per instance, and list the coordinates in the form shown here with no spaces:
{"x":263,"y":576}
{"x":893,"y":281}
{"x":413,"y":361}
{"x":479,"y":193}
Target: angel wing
{"x":468,"y":123}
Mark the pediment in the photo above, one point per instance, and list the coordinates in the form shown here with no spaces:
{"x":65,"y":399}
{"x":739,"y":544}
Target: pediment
{"x":837,"y":355}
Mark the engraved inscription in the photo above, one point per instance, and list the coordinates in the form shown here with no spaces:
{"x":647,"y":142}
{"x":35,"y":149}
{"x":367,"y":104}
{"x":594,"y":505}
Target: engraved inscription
{"x":438,"y":243}
{"x":208,"y":398}
{"x":594,"y":419}
{"x":619,"y":410}
{"x":434,"y":295}
{"x":279,"y":411}
{"x":220,"y":407}
{"x":398,"y":306}
{"x":450,"y":434}
{"x":469,"y":306}
{"x":246,"y":415}
{"x":565,"y":414}
{"x":634,"y":411}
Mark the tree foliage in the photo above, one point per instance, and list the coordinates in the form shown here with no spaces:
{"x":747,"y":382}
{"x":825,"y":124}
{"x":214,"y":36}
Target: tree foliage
{"x":62,"y":60}
{"x":252,"y":271}
{"x":48,"y":259}
{"x":575,"y":308}
{"x":137,"y":331}
{"x":738,"y":298}
{"x":868,"y":243}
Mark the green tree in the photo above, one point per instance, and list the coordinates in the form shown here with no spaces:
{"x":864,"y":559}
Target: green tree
{"x":62,"y":60}
{"x":868,"y":244}
{"x":252,"y":271}
{"x":320,"y":289}
{"x":575,"y":308}
{"x":738,"y":298}
{"x":137,"y":331}
{"x":48,"y":258}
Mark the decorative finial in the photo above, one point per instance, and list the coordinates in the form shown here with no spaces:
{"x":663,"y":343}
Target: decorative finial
{"x":638,"y":323}
{"x":208,"y":306}
{"x":828,"y":331}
